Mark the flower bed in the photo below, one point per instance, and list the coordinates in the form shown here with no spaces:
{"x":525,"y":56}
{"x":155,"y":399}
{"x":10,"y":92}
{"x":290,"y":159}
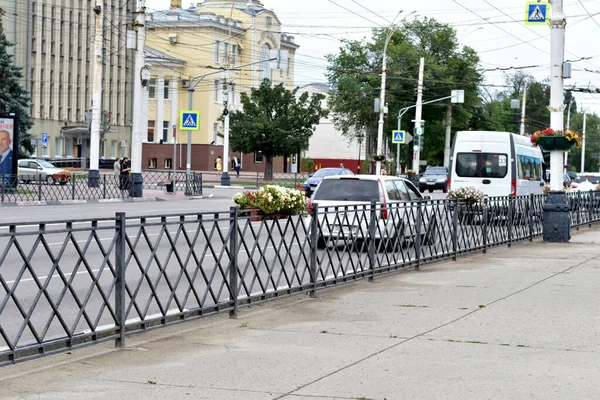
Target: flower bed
{"x":272,"y":199}
{"x":467,"y":194}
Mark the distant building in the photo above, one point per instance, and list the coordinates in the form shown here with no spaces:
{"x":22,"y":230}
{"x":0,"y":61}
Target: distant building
{"x":54,"y":46}
{"x":186,"y":43}
{"x":327,"y":146}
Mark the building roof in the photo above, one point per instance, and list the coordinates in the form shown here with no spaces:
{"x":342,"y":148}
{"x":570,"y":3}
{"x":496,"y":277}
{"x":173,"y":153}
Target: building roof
{"x":158,"y":56}
{"x":318,"y":85}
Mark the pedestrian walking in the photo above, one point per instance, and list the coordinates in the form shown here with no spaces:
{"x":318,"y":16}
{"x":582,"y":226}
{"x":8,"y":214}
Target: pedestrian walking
{"x":117,"y":170}
{"x":237,"y":165}
{"x":219,"y":165}
{"x":124,"y":179}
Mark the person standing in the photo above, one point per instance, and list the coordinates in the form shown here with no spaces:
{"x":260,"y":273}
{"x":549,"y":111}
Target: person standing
{"x":219,"y":165}
{"x":236,"y":166}
{"x":117,"y":169}
{"x":124,"y":177}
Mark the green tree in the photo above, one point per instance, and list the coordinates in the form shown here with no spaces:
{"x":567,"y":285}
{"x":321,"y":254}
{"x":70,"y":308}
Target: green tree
{"x":275,"y":121}
{"x":355,"y":75}
{"x":13,"y":98}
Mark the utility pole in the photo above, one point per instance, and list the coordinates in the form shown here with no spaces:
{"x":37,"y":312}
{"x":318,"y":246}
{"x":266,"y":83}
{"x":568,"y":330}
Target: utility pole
{"x":448,"y":136}
{"x":382,"y":97}
{"x":583,"y":143}
{"x":556,"y":227}
{"x":225,"y":179}
{"x":139,"y":122}
{"x":94,"y":173}
{"x":418,"y":115}
{"x":523,"y":109}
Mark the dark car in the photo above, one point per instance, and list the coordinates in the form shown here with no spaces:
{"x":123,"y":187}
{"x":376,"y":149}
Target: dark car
{"x":434,"y":178}
{"x":313,"y":180}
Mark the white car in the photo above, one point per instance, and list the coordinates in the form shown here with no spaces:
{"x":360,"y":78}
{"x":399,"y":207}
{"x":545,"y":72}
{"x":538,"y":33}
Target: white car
{"x":343,"y":216}
{"x":41,"y":170}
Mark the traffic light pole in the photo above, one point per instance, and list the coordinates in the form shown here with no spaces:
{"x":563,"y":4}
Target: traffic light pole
{"x":94,"y":173}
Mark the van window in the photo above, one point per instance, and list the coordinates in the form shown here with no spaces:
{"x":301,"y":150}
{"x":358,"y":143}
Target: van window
{"x":481,"y":165}
{"x":530,"y":168}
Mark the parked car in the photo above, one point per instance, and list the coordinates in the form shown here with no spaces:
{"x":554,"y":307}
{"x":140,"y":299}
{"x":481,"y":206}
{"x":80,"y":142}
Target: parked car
{"x":585,"y":182}
{"x":395,"y":222}
{"x":41,"y":170}
{"x":314,"y":179}
{"x":434,"y":178}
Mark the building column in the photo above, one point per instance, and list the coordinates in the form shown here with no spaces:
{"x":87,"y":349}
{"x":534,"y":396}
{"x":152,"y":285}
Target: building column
{"x":160,"y":108}
{"x":174,"y":106}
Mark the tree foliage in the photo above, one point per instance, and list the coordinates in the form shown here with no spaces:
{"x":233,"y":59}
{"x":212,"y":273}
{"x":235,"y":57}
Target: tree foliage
{"x":355,"y":74}
{"x":275,"y":121}
{"x":13,"y":98}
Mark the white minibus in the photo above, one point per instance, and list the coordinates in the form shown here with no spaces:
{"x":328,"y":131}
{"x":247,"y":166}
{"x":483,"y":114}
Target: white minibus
{"x":497,"y":163}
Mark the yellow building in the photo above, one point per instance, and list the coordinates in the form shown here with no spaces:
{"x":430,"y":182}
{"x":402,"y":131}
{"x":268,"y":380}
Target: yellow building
{"x":184,"y":44}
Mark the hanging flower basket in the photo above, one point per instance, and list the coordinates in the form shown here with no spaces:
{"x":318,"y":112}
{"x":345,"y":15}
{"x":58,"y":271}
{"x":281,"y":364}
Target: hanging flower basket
{"x":378,"y":157}
{"x":555,"y":140}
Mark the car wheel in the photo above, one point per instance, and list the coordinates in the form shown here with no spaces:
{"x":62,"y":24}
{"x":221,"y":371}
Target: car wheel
{"x":321,"y":243}
{"x":430,"y":190}
{"x":445,"y":189}
{"x":421,"y":190}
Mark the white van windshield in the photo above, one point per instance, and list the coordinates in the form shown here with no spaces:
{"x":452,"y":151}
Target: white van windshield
{"x":481,"y":165}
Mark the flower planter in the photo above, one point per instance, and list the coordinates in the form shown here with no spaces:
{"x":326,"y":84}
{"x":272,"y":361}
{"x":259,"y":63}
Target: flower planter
{"x":555,"y":143}
{"x":257,"y":215}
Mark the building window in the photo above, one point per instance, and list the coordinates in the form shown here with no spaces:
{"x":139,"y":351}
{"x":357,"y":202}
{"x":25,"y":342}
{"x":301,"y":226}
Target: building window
{"x":166,"y":89}
{"x":265,"y":68}
{"x":57,"y":147}
{"x":102,"y":148}
{"x":258,"y":157}
{"x":150,"y":137}
{"x":165,"y":132}
{"x":217,"y":51}
{"x":113,"y":149}
{"x":69,"y":147}
{"x":234,"y":50}
{"x":123,"y":149}
{"x":152,"y":89}
{"x":168,"y":163}
{"x":226,"y":53}
{"x":269,"y":21}
{"x":289,"y":66}
{"x":217,"y":84}
{"x":152,"y":163}
{"x":215,"y":133}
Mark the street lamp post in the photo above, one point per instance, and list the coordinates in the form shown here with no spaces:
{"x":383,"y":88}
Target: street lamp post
{"x":391,"y":31}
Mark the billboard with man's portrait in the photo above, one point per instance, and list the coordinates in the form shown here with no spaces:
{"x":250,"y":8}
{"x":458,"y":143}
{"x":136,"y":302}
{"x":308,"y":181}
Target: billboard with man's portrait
{"x":9,"y":146}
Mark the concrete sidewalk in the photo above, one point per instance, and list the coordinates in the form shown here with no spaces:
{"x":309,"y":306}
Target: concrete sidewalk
{"x":514,"y":323}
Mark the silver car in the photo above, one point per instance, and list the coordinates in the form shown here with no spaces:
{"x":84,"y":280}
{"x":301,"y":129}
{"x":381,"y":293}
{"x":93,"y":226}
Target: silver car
{"x":41,"y":170}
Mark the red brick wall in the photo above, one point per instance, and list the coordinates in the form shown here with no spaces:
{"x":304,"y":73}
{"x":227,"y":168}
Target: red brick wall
{"x":203,"y":157}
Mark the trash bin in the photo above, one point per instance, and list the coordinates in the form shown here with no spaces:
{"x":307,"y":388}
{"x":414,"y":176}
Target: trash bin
{"x":170,"y":186}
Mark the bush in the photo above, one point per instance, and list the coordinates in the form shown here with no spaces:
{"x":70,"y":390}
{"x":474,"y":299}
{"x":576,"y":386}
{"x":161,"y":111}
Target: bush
{"x":272,"y":199}
{"x":307,"y":164}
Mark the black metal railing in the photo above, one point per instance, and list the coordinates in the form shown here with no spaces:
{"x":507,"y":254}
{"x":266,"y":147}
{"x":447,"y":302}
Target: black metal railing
{"x":72,"y":187}
{"x":65,"y":284}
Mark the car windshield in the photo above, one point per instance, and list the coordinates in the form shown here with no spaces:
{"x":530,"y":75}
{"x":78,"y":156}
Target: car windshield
{"x":326,"y":172}
{"x":347,"y":190}
{"x":435,"y":171}
{"x":45,"y":164}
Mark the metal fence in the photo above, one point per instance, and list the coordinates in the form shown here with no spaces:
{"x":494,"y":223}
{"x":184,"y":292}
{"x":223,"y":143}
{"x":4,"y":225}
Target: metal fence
{"x":109,"y":187}
{"x":290,"y":180}
{"x":65,"y":284}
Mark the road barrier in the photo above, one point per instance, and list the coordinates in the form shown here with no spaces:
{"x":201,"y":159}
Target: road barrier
{"x":77,"y":187}
{"x":66,"y":284}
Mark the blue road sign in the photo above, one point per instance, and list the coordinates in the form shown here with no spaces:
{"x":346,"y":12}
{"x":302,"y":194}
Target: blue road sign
{"x":44,"y":137}
{"x":398,"y":137}
{"x":189,"y":120}
{"x":537,"y":13}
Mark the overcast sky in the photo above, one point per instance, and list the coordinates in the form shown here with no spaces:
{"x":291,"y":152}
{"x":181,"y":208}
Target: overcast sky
{"x":496,"y":31}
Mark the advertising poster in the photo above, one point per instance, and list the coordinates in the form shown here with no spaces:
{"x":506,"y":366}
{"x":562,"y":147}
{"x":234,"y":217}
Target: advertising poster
{"x":9,"y":142}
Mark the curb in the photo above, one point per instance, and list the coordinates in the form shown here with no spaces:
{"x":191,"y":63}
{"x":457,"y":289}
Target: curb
{"x":72,"y":202}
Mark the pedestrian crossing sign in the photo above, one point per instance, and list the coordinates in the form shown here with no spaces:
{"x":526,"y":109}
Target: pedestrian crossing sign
{"x":189,"y":120}
{"x":537,"y":13}
{"x":398,"y":137}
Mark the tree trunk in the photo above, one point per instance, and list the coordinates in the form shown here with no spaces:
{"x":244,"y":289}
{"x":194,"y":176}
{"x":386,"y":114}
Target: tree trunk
{"x":268,"y":168}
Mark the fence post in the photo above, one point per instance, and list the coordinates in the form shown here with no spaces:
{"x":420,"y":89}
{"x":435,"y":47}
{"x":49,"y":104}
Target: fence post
{"x":120,"y":277}
{"x":233,"y":260}
{"x":590,"y":211}
{"x":104,"y":186}
{"x":455,"y":230}
{"x":73,"y":187}
{"x":40,"y":188}
{"x":372,"y":240}
{"x":530,"y":213}
{"x":314,"y":238}
{"x":418,"y":234}
{"x":511,"y":204}
{"x":485,"y":225}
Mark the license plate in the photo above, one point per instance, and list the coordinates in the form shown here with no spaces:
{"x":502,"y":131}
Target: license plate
{"x":431,"y":183}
